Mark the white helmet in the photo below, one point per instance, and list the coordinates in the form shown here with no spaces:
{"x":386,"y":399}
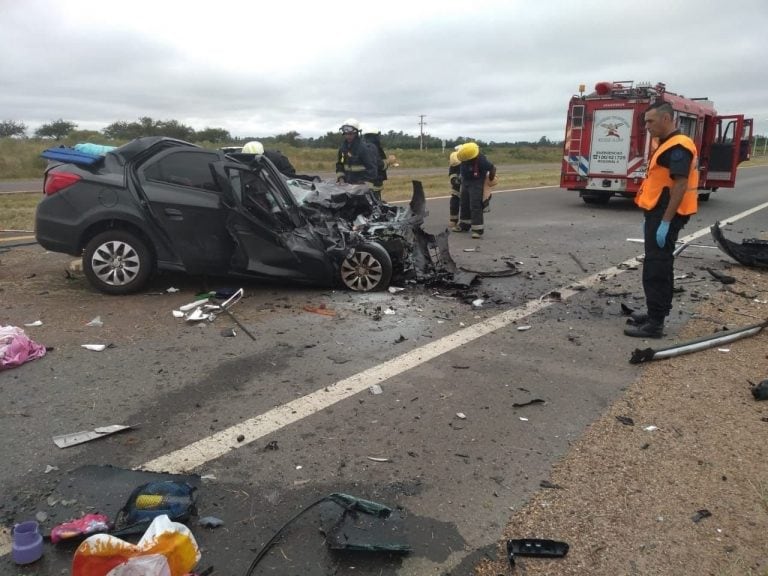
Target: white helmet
{"x":350,"y":125}
{"x":253,"y":147}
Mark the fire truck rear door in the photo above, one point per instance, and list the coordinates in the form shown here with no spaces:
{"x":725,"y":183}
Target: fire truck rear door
{"x":730,"y":146}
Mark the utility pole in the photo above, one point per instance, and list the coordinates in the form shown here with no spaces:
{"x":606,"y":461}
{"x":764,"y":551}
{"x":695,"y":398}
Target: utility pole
{"x":421,"y":130}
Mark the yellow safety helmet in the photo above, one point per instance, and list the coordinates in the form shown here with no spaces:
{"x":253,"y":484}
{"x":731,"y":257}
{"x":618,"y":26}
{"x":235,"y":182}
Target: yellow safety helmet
{"x":468,"y":151}
{"x":253,"y":147}
{"x":455,"y":159}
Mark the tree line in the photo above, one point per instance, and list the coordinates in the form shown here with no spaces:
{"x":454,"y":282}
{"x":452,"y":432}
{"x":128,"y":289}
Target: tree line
{"x":146,"y":126}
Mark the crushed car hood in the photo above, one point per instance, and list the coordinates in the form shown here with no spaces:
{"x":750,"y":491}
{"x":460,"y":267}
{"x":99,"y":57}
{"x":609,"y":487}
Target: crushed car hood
{"x":356,"y":212}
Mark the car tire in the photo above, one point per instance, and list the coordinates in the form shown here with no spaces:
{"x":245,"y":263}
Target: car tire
{"x":117,"y":262}
{"x":367,"y":269}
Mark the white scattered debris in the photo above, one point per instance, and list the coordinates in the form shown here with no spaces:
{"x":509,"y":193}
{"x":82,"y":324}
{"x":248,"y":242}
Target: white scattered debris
{"x":35,"y":323}
{"x":178,"y":314}
{"x":172,"y":290}
{"x":67,"y":440}
{"x":96,"y":322}
{"x":299,"y":467}
{"x":523,"y":328}
{"x":723,"y":349}
{"x":196,"y":315}
{"x":374,"y":459}
{"x":524,"y":419}
{"x":462,"y":324}
{"x":760,"y":301}
{"x":651,"y":428}
{"x":461,"y":415}
{"x":470,"y":249}
{"x":94,"y":347}
{"x":193,"y":305}
{"x":375,"y":389}
{"x":395,"y":289}
{"x":49,"y":468}
{"x":389,"y":311}
{"x":477,"y":303}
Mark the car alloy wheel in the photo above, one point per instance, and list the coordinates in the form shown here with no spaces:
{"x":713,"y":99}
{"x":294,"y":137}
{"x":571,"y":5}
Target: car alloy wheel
{"x":117,"y":262}
{"x":368,"y":268}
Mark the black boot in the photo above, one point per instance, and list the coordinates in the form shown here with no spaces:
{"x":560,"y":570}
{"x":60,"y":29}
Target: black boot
{"x":637,"y":318}
{"x":650,"y":329}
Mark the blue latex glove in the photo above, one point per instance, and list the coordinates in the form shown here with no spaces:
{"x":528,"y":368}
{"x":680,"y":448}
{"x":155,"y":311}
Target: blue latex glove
{"x":661,"y":234}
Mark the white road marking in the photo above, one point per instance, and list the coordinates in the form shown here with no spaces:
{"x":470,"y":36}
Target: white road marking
{"x":207,"y":449}
{"x":219,"y":444}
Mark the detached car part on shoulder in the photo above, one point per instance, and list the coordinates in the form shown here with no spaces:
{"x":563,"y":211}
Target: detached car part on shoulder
{"x":163,"y":204}
{"x":752,"y":252}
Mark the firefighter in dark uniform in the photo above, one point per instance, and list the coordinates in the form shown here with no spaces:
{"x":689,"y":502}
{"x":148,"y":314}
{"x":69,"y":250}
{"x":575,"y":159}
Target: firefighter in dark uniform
{"x":454,"y":176}
{"x":372,"y":138}
{"x":355,"y":163}
{"x":668,"y":196}
{"x":475,"y":169}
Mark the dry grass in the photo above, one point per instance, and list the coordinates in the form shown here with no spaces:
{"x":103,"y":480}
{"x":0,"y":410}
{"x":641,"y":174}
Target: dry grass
{"x":629,"y":495}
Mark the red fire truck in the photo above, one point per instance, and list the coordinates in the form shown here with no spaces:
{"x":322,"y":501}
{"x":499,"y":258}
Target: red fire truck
{"x":607,"y":148}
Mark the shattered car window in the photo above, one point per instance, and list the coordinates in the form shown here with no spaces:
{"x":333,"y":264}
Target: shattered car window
{"x":186,"y":168}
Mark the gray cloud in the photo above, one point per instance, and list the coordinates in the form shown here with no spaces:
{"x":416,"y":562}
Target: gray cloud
{"x":496,"y":70}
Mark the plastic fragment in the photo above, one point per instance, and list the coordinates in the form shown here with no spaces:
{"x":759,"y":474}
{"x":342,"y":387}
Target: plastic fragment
{"x":210,"y":522}
{"x":96,"y":322}
{"x":375,"y":389}
{"x":523,"y":328}
{"x":94,"y":347}
{"x":34,"y":324}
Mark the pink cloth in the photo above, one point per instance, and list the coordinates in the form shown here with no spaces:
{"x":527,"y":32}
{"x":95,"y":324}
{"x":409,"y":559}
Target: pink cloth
{"x":16,"y":347}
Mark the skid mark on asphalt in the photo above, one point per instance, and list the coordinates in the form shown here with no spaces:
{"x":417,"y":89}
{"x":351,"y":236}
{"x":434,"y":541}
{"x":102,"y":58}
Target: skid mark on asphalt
{"x":216,"y":445}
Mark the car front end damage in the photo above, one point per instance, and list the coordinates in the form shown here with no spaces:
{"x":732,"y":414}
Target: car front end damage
{"x":348,"y":216}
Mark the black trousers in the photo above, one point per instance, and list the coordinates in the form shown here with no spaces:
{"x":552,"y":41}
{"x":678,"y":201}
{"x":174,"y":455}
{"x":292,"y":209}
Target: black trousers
{"x":658,"y":266}
{"x":472,"y":203}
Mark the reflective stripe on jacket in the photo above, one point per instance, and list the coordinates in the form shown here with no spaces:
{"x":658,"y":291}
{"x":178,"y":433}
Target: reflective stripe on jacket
{"x":659,"y":178}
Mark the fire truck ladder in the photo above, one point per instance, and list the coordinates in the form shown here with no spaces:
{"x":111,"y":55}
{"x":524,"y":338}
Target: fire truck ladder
{"x":576,"y":162}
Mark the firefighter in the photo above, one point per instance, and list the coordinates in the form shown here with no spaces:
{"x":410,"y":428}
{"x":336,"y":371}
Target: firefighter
{"x":372,"y":139}
{"x":668,"y":196}
{"x":277,"y":158}
{"x":454,"y":176}
{"x":475,"y":169}
{"x":355,"y":163}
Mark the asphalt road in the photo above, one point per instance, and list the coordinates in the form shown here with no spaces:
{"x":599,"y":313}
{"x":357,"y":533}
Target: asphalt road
{"x":443,"y":444}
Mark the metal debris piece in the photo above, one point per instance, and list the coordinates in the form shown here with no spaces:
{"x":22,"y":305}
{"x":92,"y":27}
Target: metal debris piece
{"x":523,"y":328}
{"x":626,"y":420}
{"x":461,"y":416}
{"x":532,"y":401}
{"x":700,"y":515}
{"x":67,"y":440}
{"x":723,"y":278}
{"x":697,"y":344}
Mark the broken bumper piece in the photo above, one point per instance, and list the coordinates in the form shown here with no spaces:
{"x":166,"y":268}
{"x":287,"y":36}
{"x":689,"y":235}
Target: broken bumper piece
{"x":646,"y":355}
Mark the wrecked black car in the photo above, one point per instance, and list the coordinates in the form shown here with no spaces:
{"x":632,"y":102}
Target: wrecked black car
{"x":164,"y":204}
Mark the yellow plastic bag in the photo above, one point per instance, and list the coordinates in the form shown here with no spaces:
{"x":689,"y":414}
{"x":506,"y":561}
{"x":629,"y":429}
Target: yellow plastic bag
{"x":166,"y":549}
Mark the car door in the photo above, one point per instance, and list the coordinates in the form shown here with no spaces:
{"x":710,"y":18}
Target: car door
{"x":273,"y":238}
{"x":187,"y":202}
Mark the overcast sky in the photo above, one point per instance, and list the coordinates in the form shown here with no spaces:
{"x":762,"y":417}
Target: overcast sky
{"x":494,"y":70}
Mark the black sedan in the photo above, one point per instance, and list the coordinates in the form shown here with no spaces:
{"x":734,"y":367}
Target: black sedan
{"x":163,"y":204}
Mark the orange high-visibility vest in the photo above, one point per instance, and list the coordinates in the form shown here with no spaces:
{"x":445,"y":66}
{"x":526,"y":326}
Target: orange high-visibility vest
{"x":658,"y":178}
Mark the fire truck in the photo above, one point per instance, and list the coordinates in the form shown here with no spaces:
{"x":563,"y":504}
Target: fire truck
{"x":607,"y":147}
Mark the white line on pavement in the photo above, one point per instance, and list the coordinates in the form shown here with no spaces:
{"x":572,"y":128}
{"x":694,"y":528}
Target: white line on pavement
{"x":216,"y":445}
{"x":219,"y":444}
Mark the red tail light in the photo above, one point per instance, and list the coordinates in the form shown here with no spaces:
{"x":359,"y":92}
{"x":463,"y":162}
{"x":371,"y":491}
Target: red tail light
{"x":56,"y":181}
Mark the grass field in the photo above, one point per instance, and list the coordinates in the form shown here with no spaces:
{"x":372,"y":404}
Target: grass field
{"x":17,"y":211}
